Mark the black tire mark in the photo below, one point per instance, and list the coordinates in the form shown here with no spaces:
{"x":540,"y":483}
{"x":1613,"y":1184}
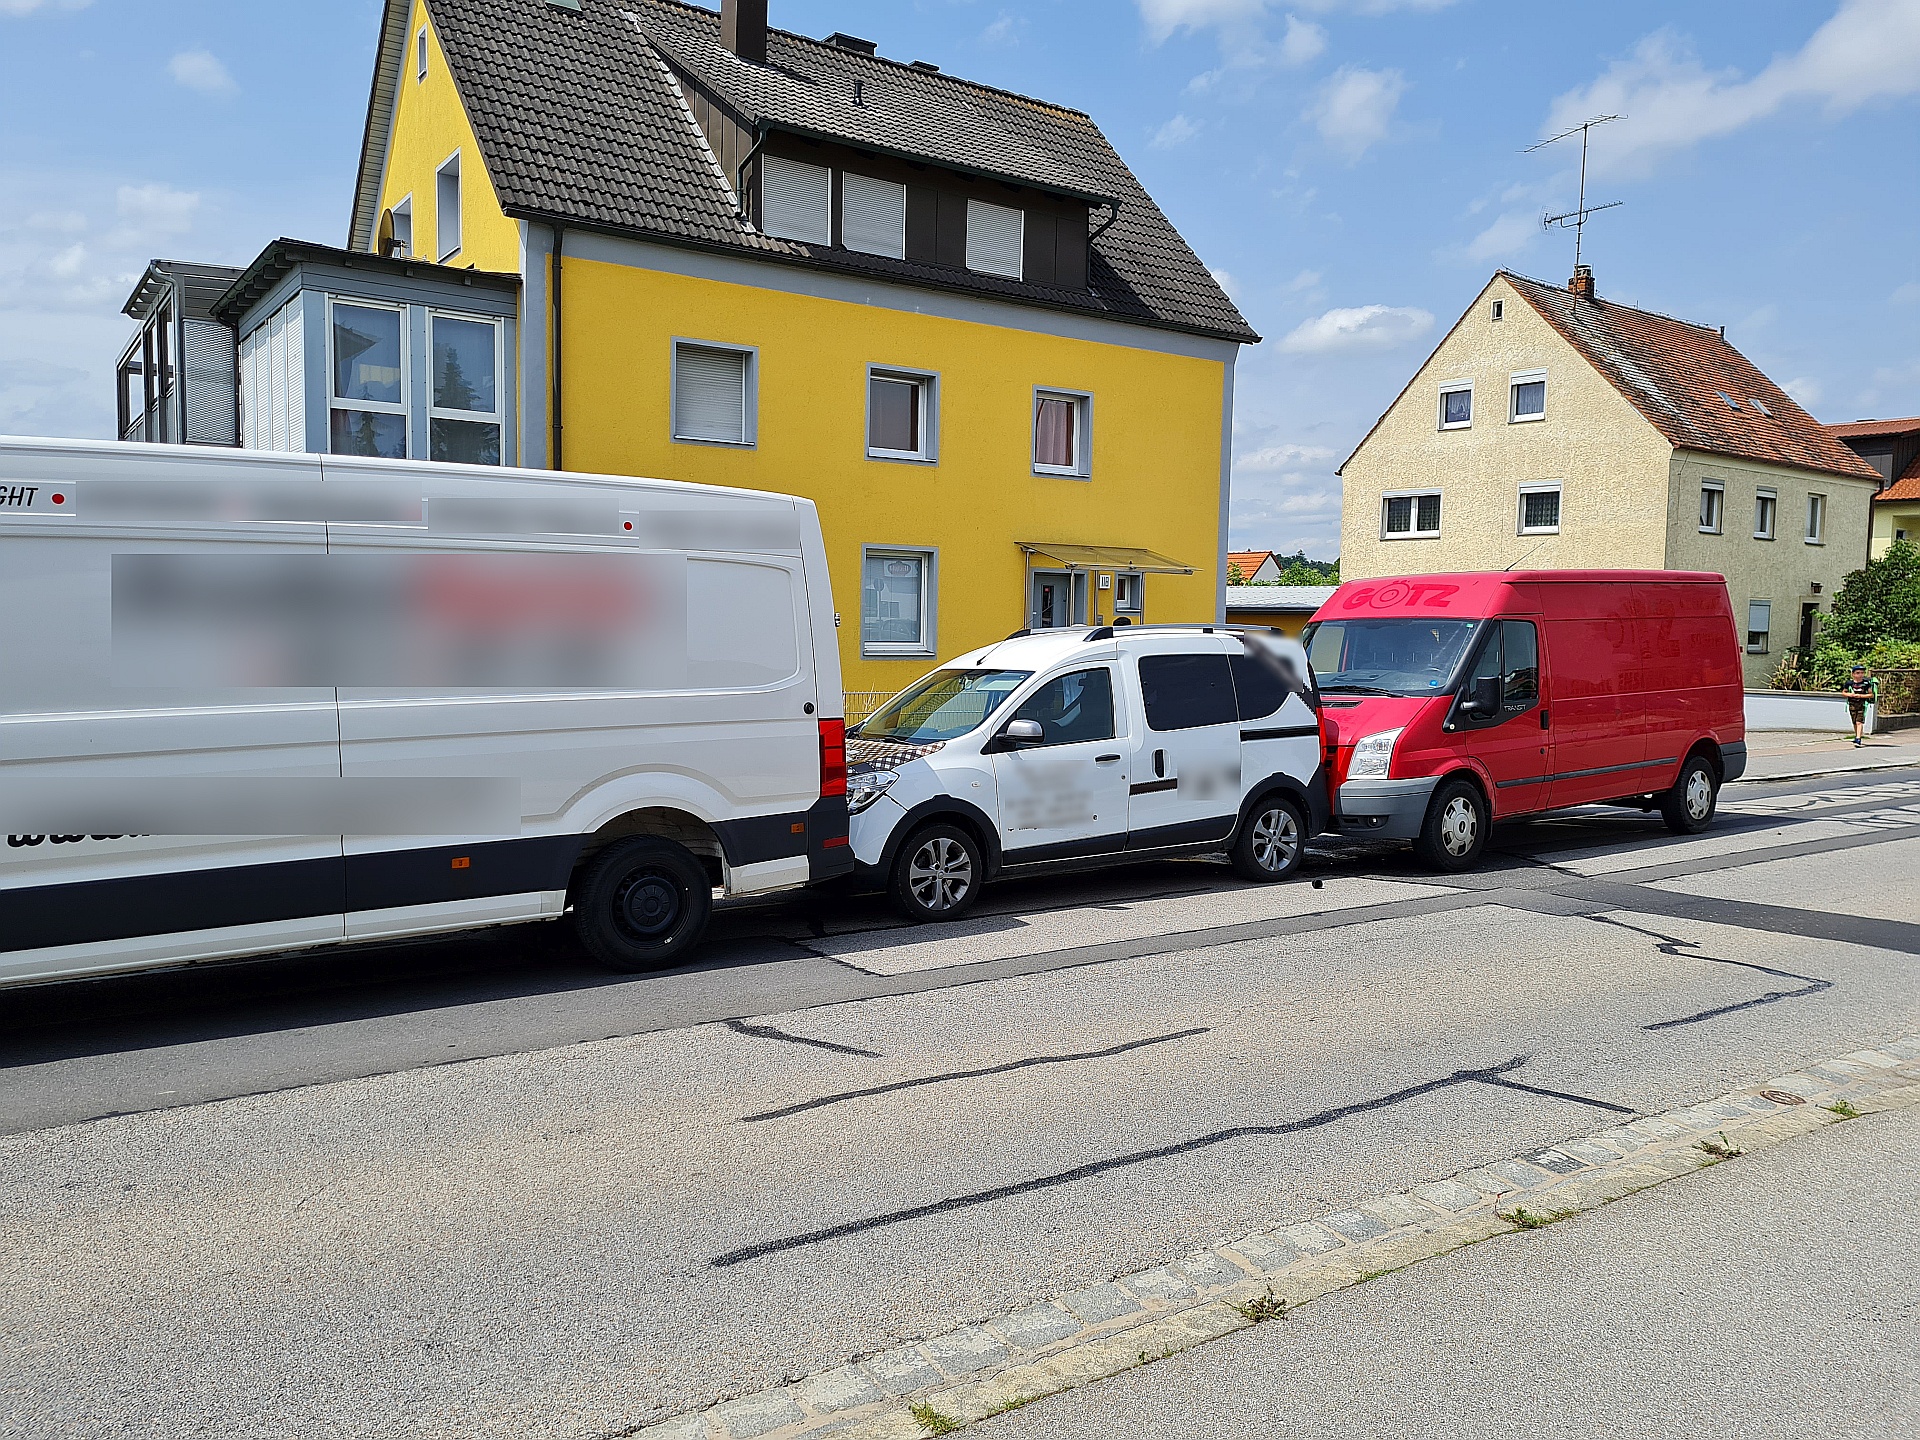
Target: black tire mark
{"x":835,"y":1099}
{"x":1506,"y":1084}
{"x":1690,"y":950}
{"x":767,"y":1032}
{"x":1116,"y":1162}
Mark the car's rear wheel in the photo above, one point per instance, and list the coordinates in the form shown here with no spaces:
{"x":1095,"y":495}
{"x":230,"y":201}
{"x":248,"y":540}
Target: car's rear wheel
{"x":1455,"y":831}
{"x":1688,"y":807}
{"x":937,"y":874}
{"x":642,"y":904}
{"x":1273,"y":840}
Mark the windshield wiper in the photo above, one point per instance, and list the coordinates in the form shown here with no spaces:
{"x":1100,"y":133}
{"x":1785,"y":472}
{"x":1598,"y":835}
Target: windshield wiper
{"x":1354,"y":689}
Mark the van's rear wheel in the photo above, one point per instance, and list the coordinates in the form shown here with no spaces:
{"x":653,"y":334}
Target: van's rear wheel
{"x":1272,"y":842}
{"x":1688,"y":807}
{"x":1455,"y":831}
{"x":937,"y":874}
{"x":643,"y":904}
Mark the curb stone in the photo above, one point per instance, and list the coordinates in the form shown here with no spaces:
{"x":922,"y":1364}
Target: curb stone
{"x":1092,"y":1333}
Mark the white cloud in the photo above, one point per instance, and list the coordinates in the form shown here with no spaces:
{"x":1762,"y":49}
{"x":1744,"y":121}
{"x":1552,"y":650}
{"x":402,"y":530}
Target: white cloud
{"x":1363,"y":327}
{"x":1907,"y":294}
{"x":1225,"y":280}
{"x":201,"y":70}
{"x":1305,"y":280}
{"x":1176,"y":131}
{"x":1355,"y":108}
{"x":1869,"y":50}
{"x":1303,"y":41}
{"x":157,"y":209}
{"x":1509,"y":235}
{"x":67,"y":263}
{"x":27,"y":7}
{"x":1163,"y":17}
{"x":1806,"y":391}
{"x":1281,"y":457}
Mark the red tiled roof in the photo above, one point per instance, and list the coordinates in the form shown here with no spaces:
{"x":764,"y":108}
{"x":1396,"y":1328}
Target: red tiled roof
{"x":1871,"y":429}
{"x":1907,"y":487}
{"x":1675,"y":374}
{"x":1249,"y":560}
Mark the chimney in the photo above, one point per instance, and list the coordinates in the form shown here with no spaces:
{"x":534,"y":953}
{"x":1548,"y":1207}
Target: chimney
{"x":1581,"y":285}
{"x":743,"y":29}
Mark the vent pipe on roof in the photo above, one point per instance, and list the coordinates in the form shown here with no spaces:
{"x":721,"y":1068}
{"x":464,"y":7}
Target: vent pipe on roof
{"x":1582,"y":282}
{"x":743,"y":29}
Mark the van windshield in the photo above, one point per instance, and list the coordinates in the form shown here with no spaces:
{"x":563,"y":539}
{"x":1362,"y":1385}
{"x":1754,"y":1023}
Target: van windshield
{"x":942,"y":706}
{"x":1401,"y":655}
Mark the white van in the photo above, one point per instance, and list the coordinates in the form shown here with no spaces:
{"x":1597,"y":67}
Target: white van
{"x":1087,"y":746}
{"x":251,"y":702}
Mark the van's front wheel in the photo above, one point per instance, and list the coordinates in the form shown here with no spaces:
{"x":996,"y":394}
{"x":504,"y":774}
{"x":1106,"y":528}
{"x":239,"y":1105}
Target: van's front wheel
{"x":1270,"y":845}
{"x":1456,"y":828}
{"x":937,"y":874}
{"x":1688,"y":807}
{"x":643,"y":904}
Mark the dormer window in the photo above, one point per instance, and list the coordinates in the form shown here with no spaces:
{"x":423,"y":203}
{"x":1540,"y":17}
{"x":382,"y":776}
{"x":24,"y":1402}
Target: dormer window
{"x":873,"y":215}
{"x":996,"y":236}
{"x":796,"y":200}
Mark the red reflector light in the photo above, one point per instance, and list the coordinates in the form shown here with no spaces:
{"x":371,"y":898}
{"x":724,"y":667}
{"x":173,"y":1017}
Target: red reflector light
{"x":833,"y":757}
{"x":836,"y":842}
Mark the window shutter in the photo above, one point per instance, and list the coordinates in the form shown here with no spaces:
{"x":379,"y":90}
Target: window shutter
{"x":710,"y":395}
{"x":995,"y":237}
{"x":796,"y":200}
{"x":873,"y":215}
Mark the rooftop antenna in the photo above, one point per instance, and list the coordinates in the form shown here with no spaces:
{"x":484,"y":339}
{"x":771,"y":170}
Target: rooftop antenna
{"x":1576,"y":219}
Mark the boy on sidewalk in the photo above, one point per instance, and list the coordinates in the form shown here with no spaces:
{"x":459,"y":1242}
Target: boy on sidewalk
{"x":1861,"y":691}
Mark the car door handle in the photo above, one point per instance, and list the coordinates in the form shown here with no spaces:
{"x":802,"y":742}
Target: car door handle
{"x":1544,"y":720}
{"x":1105,"y":759}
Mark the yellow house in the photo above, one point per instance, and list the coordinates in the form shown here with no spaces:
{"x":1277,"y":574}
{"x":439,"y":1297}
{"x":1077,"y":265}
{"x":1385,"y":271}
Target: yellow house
{"x":1558,"y":429}
{"x":948,"y":314}
{"x":1892,"y":448}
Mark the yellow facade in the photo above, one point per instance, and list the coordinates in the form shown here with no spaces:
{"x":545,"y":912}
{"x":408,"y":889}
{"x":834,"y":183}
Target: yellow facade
{"x":1895,"y":520}
{"x":429,"y":128}
{"x":1156,"y":434}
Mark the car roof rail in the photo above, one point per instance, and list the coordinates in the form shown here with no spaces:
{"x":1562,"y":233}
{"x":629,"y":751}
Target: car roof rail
{"x":1103,"y":632}
{"x":1019,"y":634}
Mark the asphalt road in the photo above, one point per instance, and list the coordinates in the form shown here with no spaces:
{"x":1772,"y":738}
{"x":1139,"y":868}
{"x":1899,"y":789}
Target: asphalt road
{"x":474,"y":1187}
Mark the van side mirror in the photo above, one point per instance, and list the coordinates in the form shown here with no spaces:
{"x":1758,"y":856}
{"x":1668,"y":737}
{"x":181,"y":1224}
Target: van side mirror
{"x":1484,"y":699}
{"x":1023,"y":732}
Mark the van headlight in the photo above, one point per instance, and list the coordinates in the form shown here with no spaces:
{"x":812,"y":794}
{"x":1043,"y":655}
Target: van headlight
{"x":868,"y":786}
{"x":1373,"y":755}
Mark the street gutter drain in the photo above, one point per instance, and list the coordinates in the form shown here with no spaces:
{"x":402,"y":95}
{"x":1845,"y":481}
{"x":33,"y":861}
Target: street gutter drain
{"x":1782,"y":1097}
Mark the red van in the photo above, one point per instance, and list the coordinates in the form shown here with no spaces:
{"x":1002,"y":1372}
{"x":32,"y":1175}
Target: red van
{"x":1452,"y":701}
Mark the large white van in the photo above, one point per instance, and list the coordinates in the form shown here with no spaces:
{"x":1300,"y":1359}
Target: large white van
{"x":1088,"y":746}
{"x":252,"y":702}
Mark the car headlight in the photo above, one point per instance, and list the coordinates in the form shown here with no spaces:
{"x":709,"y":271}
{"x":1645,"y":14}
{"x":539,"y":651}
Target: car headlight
{"x":1373,"y":756}
{"x":868,"y":786}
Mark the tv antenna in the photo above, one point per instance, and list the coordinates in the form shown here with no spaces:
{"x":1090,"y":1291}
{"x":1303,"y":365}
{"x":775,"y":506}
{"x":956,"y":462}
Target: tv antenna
{"x":1576,"y":220}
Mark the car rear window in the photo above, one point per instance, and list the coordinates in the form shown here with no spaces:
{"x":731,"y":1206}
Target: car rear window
{"x":1259,"y":684}
{"x":1184,"y":692}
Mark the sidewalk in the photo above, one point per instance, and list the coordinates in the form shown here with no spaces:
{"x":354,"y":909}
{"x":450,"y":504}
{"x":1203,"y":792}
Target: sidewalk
{"x":1771,"y":1296}
{"x":1789,"y":754}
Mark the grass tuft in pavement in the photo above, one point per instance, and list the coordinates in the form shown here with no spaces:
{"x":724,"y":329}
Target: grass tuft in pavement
{"x":1522,"y":1218}
{"x":931,"y":1420}
{"x":1719,"y":1147}
{"x":1263,"y":1307}
{"x":1844,"y":1109}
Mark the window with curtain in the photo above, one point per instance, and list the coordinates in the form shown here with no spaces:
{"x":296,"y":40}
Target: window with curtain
{"x":711,"y":394}
{"x":1410,"y":517}
{"x":796,"y":200}
{"x":1456,"y":406}
{"x":1060,"y":433}
{"x":1528,"y":397}
{"x":899,"y":415}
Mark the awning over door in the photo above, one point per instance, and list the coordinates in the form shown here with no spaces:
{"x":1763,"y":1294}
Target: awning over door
{"x":1101,"y":557}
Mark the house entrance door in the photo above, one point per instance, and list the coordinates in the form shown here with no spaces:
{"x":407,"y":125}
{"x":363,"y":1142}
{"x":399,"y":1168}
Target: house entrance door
{"x":1058,"y":599}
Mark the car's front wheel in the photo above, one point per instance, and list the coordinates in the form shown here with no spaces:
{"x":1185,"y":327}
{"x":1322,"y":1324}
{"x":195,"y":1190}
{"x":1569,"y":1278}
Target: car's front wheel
{"x":1272,"y":842}
{"x":937,"y":874}
{"x":1455,"y":831}
{"x":642,"y":904}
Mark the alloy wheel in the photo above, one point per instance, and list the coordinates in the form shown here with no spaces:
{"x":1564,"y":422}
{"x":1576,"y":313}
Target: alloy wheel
{"x":1276,"y":838}
{"x":940,"y":874}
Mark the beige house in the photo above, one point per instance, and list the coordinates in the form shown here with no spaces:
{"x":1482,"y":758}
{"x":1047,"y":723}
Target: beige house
{"x":1556,"y":428}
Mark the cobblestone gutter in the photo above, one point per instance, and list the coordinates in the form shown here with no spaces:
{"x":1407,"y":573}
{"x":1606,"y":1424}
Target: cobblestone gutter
{"x":951,"y":1381}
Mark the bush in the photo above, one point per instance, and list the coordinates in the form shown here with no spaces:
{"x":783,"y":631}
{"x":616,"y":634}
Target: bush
{"x":1877,"y":604}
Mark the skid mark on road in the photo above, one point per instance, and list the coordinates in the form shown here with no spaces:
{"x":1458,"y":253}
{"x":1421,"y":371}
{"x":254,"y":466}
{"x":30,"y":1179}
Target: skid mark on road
{"x":768,"y":1032}
{"x":1117,"y":1162}
{"x":950,"y":1075}
{"x":1506,"y":1084}
{"x":1690,"y":950}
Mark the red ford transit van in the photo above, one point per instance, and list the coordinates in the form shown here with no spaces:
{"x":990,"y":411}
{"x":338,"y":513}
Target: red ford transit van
{"x":1452,"y":701}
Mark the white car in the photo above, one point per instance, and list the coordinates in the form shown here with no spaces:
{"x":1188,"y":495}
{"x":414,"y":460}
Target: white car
{"x":1087,"y":746}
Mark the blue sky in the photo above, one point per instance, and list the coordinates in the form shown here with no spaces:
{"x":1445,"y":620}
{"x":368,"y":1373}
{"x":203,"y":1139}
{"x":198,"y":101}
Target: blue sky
{"x":1351,"y":168}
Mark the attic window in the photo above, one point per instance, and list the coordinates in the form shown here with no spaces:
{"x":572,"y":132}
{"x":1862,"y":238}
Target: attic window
{"x":1728,"y":398}
{"x":1499,"y":310}
{"x":873,"y":215}
{"x":796,"y":200}
{"x":1761,"y":406}
{"x":996,"y":237}
{"x":420,"y":54}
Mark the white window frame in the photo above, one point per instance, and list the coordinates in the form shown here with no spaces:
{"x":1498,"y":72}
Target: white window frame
{"x":896,"y":244}
{"x":1019,"y":272}
{"x":420,"y":55}
{"x":1766,"y":635}
{"x":1816,"y":519}
{"x":1719,"y":526}
{"x":1514,"y":382}
{"x":928,"y":647}
{"x":498,"y":415}
{"x":821,"y":236}
{"x":1554,"y":487}
{"x":378,"y":407}
{"x":1773,"y":514}
{"x":1139,"y":579}
{"x":1499,"y":311}
{"x":404,"y":210}
{"x":1413,"y":514}
{"x":750,"y":394}
{"x":445,"y":252}
{"x":1453,"y":387}
{"x":929,"y":383}
{"x":1082,"y":466}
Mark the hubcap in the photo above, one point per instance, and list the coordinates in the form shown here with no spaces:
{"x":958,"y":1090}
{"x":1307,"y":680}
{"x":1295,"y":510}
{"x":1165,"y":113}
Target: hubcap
{"x":1276,"y":838}
{"x":1459,"y":825}
{"x":940,"y":874}
{"x":1699,"y":795}
{"x":648,"y":905}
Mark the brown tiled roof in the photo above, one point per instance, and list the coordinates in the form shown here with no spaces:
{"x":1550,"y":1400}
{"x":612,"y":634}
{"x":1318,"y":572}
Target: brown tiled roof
{"x":1682,"y":378}
{"x":579,"y":120}
{"x":1872,"y":429}
{"x":1248,"y":560}
{"x":1907,"y":487}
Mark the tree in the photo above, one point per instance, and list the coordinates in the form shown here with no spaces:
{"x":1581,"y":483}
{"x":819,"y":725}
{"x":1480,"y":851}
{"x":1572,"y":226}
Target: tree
{"x":1235,"y":575}
{"x":1877,"y":604}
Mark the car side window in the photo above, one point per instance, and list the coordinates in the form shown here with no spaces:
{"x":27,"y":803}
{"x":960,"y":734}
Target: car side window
{"x":1071,"y":708}
{"x":1520,"y":671}
{"x":1185,"y":692}
{"x":1259,"y":685}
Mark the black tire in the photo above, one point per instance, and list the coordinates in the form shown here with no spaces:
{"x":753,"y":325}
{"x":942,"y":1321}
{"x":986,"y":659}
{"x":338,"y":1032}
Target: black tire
{"x":1689,"y":806}
{"x":937,"y":874}
{"x":1455,"y":831}
{"x":1272,"y":841}
{"x":642,"y":904}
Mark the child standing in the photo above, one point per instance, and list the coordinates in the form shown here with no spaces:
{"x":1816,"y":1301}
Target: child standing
{"x":1861,"y":691}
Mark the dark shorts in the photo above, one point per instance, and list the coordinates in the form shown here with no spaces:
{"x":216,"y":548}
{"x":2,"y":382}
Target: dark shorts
{"x":1857,"y":708}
